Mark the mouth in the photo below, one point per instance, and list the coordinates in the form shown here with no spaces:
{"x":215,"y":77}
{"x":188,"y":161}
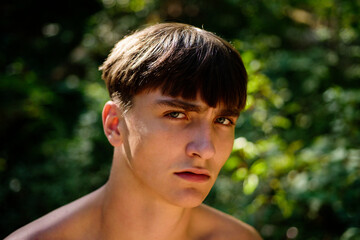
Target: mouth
{"x":194,"y":175}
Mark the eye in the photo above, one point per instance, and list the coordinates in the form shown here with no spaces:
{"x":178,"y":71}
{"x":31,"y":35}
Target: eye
{"x":176,"y":115}
{"x":224,"y":121}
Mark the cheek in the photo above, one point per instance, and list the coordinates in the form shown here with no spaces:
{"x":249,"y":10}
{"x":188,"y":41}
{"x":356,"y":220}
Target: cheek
{"x":225,"y":148}
{"x":151,"y":141}
{"x":134,"y":135}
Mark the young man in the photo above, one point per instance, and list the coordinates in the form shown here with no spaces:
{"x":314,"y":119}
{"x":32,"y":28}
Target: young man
{"x":176,"y":92}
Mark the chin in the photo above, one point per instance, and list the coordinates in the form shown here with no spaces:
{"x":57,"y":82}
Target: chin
{"x":190,"y":198}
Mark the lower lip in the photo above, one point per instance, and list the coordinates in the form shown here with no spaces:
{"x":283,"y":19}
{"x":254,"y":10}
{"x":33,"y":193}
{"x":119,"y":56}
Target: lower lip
{"x":192,"y":177}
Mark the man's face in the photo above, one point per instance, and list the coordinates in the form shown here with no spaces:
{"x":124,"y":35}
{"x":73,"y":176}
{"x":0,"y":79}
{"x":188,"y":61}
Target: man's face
{"x":175,"y":148}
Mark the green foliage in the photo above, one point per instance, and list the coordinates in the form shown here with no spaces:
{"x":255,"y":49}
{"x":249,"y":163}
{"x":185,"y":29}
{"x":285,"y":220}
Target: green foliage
{"x":295,"y":166}
{"x":296,"y":161}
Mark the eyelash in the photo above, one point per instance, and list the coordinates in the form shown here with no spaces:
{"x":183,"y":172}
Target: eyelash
{"x":168,"y":115}
{"x":231,"y":122}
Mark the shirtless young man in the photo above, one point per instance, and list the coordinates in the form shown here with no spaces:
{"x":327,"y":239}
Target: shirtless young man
{"x":176,"y":92}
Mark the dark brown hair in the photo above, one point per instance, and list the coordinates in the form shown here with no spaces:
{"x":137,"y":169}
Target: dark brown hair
{"x":179,"y":59}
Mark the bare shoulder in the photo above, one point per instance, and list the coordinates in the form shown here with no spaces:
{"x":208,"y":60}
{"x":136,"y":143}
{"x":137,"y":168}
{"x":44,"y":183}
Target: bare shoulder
{"x":66,"y":222}
{"x":219,"y":225}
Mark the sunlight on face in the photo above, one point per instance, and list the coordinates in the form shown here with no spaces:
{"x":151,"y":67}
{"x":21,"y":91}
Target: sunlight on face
{"x":174,"y":147}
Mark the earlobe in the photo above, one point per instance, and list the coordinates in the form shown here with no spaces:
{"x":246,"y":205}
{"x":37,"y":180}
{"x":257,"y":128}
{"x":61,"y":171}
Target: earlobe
{"x":110,"y":119}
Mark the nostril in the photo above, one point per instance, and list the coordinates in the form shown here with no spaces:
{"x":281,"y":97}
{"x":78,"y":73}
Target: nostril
{"x":201,"y":142}
{"x":201,"y":149}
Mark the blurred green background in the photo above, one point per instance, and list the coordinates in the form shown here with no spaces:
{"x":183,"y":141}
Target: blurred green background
{"x":295,"y":169}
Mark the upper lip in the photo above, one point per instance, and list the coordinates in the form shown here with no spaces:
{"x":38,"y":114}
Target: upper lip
{"x":199,"y":171}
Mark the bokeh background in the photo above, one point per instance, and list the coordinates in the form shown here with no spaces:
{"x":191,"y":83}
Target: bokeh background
{"x":295,"y":169}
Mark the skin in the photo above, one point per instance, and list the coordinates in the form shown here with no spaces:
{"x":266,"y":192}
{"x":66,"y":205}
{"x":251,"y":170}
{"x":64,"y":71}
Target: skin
{"x":167,"y":155}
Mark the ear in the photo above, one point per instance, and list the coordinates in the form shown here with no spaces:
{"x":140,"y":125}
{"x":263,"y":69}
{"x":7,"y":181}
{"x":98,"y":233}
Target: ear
{"x":110,"y":118}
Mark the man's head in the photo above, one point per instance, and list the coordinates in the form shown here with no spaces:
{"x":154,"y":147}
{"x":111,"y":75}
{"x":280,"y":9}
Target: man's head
{"x":176,"y":94}
{"x":181,"y":61}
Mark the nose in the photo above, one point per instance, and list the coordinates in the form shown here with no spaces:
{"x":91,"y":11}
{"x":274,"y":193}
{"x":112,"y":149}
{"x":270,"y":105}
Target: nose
{"x":201,"y":142}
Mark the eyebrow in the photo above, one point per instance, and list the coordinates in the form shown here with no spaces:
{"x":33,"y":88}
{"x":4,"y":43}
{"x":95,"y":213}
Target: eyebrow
{"x":179,"y":104}
{"x":189,"y":107}
{"x":233,"y":112}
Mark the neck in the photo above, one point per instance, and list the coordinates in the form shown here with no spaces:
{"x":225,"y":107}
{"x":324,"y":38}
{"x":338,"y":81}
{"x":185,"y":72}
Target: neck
{"x":130,"y":212}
